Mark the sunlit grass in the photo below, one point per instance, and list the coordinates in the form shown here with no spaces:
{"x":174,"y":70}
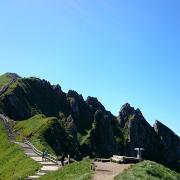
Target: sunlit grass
{"x":75,"y":171}
{"x":148,"y":170}
{"x":34,"y":129}
{"x":14,"y":164}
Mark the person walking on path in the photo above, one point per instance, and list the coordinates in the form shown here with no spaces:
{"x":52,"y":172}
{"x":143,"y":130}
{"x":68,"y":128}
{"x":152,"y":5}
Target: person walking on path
{"x":62,"y":159}
{"x":43,"y":155}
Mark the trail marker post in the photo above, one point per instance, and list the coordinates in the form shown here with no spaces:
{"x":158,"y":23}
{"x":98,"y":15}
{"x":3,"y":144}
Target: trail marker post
{"x":139,"y":152}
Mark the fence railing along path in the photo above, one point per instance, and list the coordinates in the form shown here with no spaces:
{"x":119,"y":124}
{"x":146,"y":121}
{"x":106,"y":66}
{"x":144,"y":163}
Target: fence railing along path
{"x":38,"y":152}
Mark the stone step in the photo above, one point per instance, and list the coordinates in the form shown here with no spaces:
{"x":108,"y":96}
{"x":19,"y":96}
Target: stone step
{"x":49,"y":168}
{"x":23,"y":145}
{"x":41,"y":173}
{"x":32,"y":154}
{"x":32,"y":177}
{"x":37,"y":159}
{"x":28,"y":150}
{"x":48,"y":163}
{"x":27,"y":147}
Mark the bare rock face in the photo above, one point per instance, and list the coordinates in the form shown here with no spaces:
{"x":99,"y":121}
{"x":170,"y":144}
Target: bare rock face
{"x":82,"y":115}
{"x":71,"y":127}
{"x":103,"y":140}
{"x":124,"y":113}
{"x":30,"y":96}
{"x":94,"y":104}
{"x":171,"y":142}
{"x":139,"y":134}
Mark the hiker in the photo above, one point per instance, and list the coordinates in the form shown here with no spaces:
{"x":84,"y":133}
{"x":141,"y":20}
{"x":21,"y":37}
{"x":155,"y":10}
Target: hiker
{"x":62,"y":159}
{"x":59,"y":159}
{"x":43,"y":155}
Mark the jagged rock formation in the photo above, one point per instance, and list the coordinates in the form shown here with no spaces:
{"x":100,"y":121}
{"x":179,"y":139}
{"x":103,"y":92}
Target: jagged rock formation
{"x":30,"y":96}
{"x":124,"y":114}
{"x":171,"y":142}
{"x":139,"y":133}
{"x":94,"y":104}
{"x":103,"y":141}
{"x":89,"y":128}
{"x":80,"y":111}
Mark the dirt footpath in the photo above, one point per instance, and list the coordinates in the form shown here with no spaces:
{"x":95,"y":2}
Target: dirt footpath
{"x":108,"y":170}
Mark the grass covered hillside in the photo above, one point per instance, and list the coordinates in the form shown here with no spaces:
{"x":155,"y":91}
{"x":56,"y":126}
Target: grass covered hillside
{"x":45,"y":133}
{"x":75,"y":171}
{"x":4,"y":79}
{"x":34,"y":129}
{"x":148,"y":170}
{"x":14,"y":164}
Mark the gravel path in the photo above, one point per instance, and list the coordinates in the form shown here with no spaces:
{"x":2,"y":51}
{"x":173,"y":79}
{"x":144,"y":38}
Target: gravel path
{"x":108,"y":170}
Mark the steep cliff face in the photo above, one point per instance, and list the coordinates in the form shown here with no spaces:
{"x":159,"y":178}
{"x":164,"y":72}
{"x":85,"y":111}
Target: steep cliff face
{"x":94,"y":104}
{"x":29,"y":96}
{"x":80,"y":111}
{"x":102,"y":138}
{"x":125,"y":114}
{"x":171,"y":142}
{"x":139,"y":134}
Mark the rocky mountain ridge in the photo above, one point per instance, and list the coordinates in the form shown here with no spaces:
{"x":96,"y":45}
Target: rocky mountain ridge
{"x":93,"y":130}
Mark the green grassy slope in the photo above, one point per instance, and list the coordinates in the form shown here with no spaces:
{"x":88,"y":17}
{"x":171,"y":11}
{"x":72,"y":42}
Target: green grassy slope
{"x":75,"y":171}
{"x":4,"y":79}
{"x":46,"y":133}
{"x":34,"y":129}
{"x":14,"y":164}
{"x":148,"y":170}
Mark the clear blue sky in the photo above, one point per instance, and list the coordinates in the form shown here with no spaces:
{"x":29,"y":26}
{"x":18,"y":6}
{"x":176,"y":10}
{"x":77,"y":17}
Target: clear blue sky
{"x":119,"y":51}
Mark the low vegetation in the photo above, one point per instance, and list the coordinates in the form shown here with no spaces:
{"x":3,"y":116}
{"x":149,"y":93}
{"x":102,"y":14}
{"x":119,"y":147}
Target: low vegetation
{"x":14,"y":164}
{"x":4,"y":79}
{"x":46,"y":133}
{"x":75,"y":171}
{"x":148,"y":170}
{"x":34,"y":130}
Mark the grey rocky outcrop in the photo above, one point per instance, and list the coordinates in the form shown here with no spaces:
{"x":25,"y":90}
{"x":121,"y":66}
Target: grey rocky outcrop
{"x":103,"y":142}
{"x":82,"y":115}
{"x":139,"y":134}
{"x":124,"y":113}
{"x":171,"y":142}
{"x":70,"y":127}
{"x":94,"y":104}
